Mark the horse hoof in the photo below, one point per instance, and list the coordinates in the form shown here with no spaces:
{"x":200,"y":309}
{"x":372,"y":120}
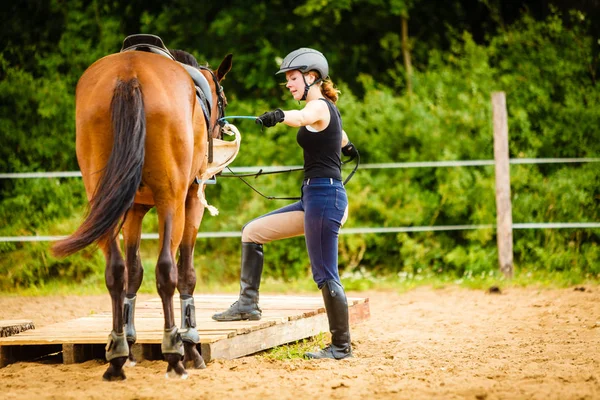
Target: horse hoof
{"x":192,"y":356}
{"x":115,"y":372}
{"x":174,"y":375}
{"x":113,"y":378}
{"x":177,"y":372}
{"x":131,"y":360}
{"x":199,"y":364}
{"x":175,"y":368}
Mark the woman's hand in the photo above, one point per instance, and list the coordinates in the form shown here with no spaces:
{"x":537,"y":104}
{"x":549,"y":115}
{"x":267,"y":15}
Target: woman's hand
{"x":271,"y":118}
{"x":349,"y":150}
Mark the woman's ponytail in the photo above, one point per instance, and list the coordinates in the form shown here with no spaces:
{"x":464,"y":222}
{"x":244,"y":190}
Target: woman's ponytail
{"x":327,"y":88}
{"x":330,"y":91}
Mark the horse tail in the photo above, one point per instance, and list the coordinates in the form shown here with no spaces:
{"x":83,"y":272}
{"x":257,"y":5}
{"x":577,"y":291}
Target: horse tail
{"x":122,"y":176}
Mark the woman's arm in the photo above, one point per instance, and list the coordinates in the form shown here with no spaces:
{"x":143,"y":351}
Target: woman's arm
{"x":345,"y":139}
{"x":348,"y":149}
{"x":311,"y":114}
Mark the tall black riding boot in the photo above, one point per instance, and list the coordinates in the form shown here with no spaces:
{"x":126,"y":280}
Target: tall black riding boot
{"x":247,"y":305}
{"x":336,"y":305}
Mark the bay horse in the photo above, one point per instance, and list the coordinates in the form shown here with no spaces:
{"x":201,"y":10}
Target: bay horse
{"x":142,"y":137}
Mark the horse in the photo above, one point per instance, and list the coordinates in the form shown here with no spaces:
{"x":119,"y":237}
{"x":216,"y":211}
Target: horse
{"x":143,"y":132}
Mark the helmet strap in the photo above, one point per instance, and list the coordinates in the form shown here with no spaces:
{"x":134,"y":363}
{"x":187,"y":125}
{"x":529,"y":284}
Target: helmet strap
{"x":307,"y":86}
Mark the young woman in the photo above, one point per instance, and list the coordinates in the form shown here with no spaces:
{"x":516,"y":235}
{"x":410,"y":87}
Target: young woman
{"x":324,"y":204}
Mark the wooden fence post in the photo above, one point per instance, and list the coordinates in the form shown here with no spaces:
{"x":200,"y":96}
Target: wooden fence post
{"x":502,"y":169}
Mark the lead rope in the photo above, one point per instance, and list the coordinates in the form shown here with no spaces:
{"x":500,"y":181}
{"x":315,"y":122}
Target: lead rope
{"x":355,"y":166}
{"x":260,"y":172}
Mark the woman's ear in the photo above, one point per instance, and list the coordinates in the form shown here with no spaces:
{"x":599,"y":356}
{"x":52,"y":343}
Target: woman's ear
{"x":310,"y":78}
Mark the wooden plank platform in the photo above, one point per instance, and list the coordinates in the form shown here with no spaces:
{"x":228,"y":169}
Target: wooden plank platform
{"x":285,"y":319}
{"x":9,"y":327}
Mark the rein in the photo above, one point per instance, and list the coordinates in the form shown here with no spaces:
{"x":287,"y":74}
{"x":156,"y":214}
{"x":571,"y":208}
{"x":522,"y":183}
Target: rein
{"x":260,"y":172}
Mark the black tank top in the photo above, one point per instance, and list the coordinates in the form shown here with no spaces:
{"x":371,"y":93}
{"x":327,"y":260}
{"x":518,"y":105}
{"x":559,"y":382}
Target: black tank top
{"x":322,"y":150}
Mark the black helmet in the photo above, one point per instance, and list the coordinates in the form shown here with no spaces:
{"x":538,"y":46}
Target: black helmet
{"x":304,"y":60}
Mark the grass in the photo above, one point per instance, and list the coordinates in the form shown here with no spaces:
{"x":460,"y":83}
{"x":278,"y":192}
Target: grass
{"x":356,"y":281}
{"x":296,"y":350}
{"x":404,"y":281}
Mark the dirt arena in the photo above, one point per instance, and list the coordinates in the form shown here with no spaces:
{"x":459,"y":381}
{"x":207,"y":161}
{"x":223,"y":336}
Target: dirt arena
{"x":452,"y":343}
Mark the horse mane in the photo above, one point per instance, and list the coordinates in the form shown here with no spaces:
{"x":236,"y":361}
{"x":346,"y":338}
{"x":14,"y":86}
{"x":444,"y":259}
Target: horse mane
{"x":185,"y":57}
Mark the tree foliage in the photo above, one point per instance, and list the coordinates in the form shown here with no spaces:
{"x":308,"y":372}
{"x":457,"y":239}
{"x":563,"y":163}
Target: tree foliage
{"x":544,"y":55}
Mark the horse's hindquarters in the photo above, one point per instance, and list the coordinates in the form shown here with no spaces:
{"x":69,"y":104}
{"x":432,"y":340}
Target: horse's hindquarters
{"x":169,"y":103}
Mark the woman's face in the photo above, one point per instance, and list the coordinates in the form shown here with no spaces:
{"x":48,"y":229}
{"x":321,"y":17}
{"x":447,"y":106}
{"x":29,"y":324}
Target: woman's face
{"x":295,"y":83}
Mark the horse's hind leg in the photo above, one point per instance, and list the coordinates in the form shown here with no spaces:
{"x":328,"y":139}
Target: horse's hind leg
{"x":171,"y":226}
{"x":117,"y":349}
{"x":186,"y":282}
{"x":132,"y":232}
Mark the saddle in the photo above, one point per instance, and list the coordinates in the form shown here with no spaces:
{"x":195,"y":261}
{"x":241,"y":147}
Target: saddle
{"x":146,"y":42}
{"x":154,"y":44}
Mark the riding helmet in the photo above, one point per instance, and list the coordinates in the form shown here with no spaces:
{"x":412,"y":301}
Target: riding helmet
{"x":304,"y":60}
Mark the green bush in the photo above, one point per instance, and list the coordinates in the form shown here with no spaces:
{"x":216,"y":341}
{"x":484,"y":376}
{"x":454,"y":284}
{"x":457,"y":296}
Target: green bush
{"x":546,"y":69}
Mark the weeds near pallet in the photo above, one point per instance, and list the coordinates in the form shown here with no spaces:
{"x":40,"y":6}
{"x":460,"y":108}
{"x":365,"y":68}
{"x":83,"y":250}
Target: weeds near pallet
{"x":296,"y":350}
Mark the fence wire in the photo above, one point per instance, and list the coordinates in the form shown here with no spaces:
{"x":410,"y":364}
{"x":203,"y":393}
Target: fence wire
{"x":418,"y":164}
{"x":347,"y":231}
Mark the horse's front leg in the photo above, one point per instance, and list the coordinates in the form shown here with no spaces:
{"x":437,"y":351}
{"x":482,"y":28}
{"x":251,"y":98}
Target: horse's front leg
{"x":132,"y":233}
{"x":186,"y":282}
{"x":166,"y":282}
{"x":117,"y":349}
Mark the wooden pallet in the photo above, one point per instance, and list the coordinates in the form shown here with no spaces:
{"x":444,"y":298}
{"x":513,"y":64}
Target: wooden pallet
{"x":285,"y":319}
{"x":14,"y":326}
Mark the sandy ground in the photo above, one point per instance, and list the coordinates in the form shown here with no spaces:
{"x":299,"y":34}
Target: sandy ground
{"x":424,"y":344}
